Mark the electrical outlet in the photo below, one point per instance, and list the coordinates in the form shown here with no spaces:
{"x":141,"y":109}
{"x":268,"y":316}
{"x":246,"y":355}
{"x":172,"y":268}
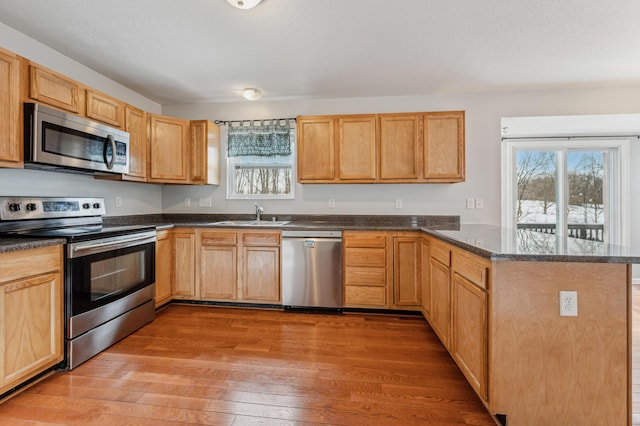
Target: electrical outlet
{"x":187,"y":202}
{"x":471,"y":204}
{"x":118,"y":201}
{"x":568,"y":303}
{"x":398,"y":203}
{"x":479,"y":203}
{"x":332,"y":203}
{"x":205,"y":202}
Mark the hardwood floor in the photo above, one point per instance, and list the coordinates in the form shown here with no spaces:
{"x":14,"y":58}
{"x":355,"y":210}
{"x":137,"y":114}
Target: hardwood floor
{"x":635,"y":359}
{"x":224,"y":366}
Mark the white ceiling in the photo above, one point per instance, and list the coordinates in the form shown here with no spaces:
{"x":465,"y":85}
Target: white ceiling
{"x":195,"y":51}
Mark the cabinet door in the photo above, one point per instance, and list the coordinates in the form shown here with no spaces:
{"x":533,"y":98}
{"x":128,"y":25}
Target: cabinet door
{"x":444,"y":146}
{"x":407,"y":282}
{"x":399,"y":147}
{"x":169,"y":150}
{"x":56,"y":90}
{"x":316,"y":159}
{"x":261,"y":273}
{"x":10,"y":111}
{"x":469,"y":332}
{"x":440,"y":300}
{"x":357,"y":147}
{"x":183,"y":262}
{"x":205,"y":152}
{"x":135,"y":124}
{"x":218,"y":272}
{"x":104,"y":108}
{"x":163,"y":267}
{"x":31,"y":314}
{"x":426,"y":278}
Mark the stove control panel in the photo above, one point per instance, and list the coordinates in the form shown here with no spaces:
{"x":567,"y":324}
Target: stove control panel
{"x":19,"y":208}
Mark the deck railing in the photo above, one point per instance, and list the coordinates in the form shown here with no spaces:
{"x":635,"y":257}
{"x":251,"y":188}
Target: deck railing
{"x":591,"y":231}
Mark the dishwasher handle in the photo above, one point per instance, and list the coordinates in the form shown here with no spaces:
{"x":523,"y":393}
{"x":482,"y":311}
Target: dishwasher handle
{"x":311,"y":234}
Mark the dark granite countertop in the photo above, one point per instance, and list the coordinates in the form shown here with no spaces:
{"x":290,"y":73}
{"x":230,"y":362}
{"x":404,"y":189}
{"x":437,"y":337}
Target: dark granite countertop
{"x":14,"y":244}
{"x":497,"y":243}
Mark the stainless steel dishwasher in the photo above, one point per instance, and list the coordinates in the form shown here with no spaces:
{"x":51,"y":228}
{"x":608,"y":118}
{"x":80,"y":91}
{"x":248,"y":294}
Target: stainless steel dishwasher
{"x":311,"y":269}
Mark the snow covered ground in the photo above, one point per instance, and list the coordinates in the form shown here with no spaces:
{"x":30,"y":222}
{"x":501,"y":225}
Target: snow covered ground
{"x":533,"y":212}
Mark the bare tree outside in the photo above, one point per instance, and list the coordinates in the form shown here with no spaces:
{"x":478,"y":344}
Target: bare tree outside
{"x":586,"y":176}
{"x":536,"y":180}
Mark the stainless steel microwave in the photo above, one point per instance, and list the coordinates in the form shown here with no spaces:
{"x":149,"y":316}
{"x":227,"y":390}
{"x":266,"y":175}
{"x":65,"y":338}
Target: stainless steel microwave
{"x":56,"y":140}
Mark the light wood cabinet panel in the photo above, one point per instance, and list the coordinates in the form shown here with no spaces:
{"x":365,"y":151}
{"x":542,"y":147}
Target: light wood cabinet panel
{"x":261,"y":274}
{"x":241,"y":266}
{"x":469,"y":332}
{"x":183,"y":264}
{"x":168,"y":149}
{"x":205,"y":153}
{"x":316,"y":145}
{"x":11,"y":147}
{"x":399,"y":147}
{"x":407,"y":279}
{"x":135,"y":122}
{"x":365,"y":275}
{"x":357,"y":148}
{"x":218,"y":272}
{"x":440,"y":300}
{"x":31,"y":314}
{"x":53,"y":89}
{"x":163,"y":267}
{"x":104,"y":108}
{"x":365,"y":296}
{"x":444,"y":147}
{"x":426,"y":279}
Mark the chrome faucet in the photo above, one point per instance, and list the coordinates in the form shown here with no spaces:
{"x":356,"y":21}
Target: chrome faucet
{"x":259,"y":211}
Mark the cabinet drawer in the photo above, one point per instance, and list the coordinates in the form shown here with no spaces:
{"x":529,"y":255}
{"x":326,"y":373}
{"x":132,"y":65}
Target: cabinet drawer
{"x":261,"y":239}
{"x":216,"y":238}
{"x":367,"y":296}
{"x":365,"y":239}
{"x":364,"y":257}
{"x":472,"y":268}
{"x":365,"y":276}
{"x":440,"y":251}
{"x":28,"y":263}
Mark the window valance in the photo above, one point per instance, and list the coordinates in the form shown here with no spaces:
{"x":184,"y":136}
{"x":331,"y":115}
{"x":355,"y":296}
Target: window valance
{"x":259,"y":138}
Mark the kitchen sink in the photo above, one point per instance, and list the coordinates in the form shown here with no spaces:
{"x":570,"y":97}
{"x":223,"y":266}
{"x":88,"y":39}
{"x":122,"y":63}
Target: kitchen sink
{"x":262,"y":223}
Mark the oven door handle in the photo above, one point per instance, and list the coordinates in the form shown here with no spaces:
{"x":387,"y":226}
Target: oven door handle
{"x":108,"y":244}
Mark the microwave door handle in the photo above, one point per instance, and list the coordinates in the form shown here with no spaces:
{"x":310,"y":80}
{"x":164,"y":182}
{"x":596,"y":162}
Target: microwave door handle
{"x":109,"y":163}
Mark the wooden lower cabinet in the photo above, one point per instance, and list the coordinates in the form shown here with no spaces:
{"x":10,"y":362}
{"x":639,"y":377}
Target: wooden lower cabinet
{"x":242,"y":266}
{"x":407,"y":276}
{"x":440,"y":316}
{"x":469,"y":332}
{"x":183,"y":261}
{"x":163,"y":267}
{"x":365,"y":276}
{"x":425,"y":277}
{"x":31,"y":314}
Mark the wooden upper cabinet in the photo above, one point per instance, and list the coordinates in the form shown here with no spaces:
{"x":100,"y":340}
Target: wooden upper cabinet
{"x":357,"y":148}
{"x":316,"y":142}
{"x":135,"y":122}
{"x":444,"y":144}
{"x":104,"y":108}
{"x":399,"y":147}
{"x":205,"y":152}
{"x":53,"y":89}
{"x":169,"y":151}
{"x":11,"y":148}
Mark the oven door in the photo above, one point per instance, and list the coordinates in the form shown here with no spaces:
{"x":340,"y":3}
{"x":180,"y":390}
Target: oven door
{"x":101,"y":272}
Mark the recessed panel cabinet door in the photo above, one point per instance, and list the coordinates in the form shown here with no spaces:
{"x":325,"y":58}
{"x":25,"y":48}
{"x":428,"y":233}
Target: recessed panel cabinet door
{"x":104,"y":108}
{"x":444,"y":147}
{"x":135,"y":124}
{"x":357,"y":148}
{"x":440,"y":300}
{"x":10,"y":107}
{"x":56,"y":90}
{"x":399,"y":147}
{"x":316,"y":161}
{"x":183,"y":264}
{"x":261,"y":274}
{"x":218,"y":272}
{"x":163,"y":267}
{"x":169,"y":149}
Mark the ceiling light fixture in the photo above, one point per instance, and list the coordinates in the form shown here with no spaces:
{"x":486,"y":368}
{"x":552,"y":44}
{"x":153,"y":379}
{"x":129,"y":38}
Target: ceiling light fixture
{"x":251,"y":94}
{"x":244,"y":4}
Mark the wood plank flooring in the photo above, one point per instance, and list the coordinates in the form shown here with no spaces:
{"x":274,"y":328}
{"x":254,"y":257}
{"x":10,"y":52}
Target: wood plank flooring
{"x":225,"y":366}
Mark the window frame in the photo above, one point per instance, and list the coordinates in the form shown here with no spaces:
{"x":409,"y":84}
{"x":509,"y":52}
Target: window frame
{"x":617,"y":167}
